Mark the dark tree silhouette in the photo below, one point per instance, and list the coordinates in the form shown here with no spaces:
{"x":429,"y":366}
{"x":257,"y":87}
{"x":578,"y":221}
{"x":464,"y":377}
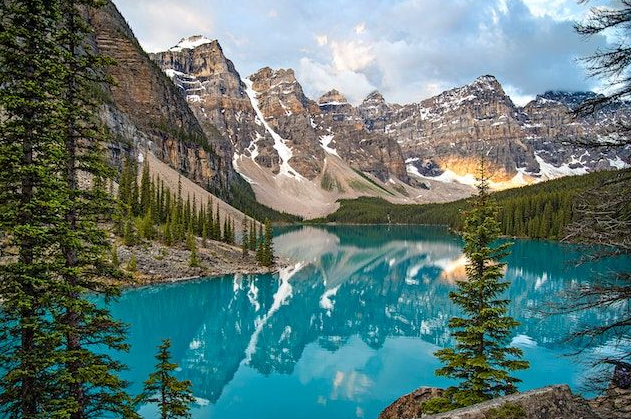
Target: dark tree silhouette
{"x":611,"y":65}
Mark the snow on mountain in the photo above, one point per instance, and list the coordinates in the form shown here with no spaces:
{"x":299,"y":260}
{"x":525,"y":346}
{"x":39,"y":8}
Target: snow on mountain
{"x":190,"y":43}
{"x":280,"y":145}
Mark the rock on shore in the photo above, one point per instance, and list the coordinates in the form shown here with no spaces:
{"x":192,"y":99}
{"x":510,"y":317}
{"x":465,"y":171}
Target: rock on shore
{"x":553,"y":402}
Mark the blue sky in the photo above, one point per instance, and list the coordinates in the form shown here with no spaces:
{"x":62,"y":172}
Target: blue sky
{"x":407,"y":49}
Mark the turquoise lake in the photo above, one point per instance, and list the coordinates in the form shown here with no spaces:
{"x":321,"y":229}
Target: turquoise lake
{"x":351,"y":326}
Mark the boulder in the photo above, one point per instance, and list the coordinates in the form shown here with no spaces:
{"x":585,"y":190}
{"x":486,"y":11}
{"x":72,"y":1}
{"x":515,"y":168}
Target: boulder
{"x":553,"y":402}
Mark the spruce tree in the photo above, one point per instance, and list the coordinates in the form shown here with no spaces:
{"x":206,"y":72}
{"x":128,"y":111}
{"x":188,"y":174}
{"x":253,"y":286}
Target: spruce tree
{"x":218,"y":235}
{"x":191,"y":244}
{"x":173,"y":397}
{"x":253,"y":236}
{"x":145,"y":189}
{"x":245,"y":241}
{"x":87,"y":380}
{"x":30,"y":143}
{"x":267,"y":255}
{"x":168,"y":235}
{"x":481,"y":359}
{"x":204,"y":225}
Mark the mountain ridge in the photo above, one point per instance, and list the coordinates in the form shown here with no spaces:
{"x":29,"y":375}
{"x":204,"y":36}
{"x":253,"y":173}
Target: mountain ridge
{"x":327,"y":149}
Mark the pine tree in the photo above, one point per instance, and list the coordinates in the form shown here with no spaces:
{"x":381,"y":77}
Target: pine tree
{"x":173,"y":397}
{"x":253,"y":236}
{"x":168,"y":235}
{"x":204,"y":225}
{"x":226,"y":230}
{"x":129,"y":233}
{"x":191,"y":244}
{"x":147,"y":230}
{"x":218,"y":235}
{"x":481,"y":359}
{"x":132,"y":263}
{"x":135,"y":190}
{"x":193,"y":222}
{"x":187,"y":214}
{"x":115,"y":260}
{"x":145,"y":189}
{"x":30,"y":140}
{"x":245,"y":242}
{"x":259,"y":252}
{"x":267,"y":253}
{"x":87,"y":380}
{"x":210,"y":225}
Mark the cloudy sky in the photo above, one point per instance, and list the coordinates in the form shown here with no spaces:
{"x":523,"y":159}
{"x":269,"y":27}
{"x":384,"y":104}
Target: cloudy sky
{"x":406,"y":49}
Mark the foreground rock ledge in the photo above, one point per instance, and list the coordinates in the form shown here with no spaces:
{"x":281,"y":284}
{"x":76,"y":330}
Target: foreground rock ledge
{"x":553,"y":402}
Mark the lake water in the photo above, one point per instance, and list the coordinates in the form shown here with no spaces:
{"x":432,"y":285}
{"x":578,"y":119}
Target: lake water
{"x":350,"y":327}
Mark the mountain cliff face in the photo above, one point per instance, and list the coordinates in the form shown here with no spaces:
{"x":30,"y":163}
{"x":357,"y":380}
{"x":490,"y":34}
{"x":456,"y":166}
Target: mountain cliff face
{"x":300,"y":156}
{"x":146,"y":113}
{"x":443,"y":136}
{"x":191,"y":108}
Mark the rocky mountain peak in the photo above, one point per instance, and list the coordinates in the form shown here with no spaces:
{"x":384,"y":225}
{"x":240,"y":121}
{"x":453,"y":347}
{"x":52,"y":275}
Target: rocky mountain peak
{"x":570,"y":99}
{"x":332,"y":98}
{"x":192,"y":42}
{"x":374,"y":98}
{"x":267,"y":77}
{"x":487,"y":82}
{"x":280,"y":90}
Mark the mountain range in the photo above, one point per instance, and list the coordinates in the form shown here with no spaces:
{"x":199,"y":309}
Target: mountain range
{"x":262,"y":138}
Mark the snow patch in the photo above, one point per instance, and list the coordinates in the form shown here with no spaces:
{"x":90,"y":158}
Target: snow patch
{"x":325,"y":140}
{"x":284,"y":152}
{"x":550,"y":171}
{"x":618,"y":163}
{"x":332,"y":103}
{"x":190,"y":43}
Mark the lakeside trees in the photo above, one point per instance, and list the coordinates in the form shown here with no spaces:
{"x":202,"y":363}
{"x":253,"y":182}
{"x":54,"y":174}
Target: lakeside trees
{"x":482,"y":358}
{"x":173,"y":397}
{"x":53,"y":248}
{"x":149,"y":210}
{"x":265,"y":249}
{"x":541,"y":210}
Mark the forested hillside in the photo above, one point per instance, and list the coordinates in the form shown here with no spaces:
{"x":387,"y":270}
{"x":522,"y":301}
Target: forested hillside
{"x":537,"y":211}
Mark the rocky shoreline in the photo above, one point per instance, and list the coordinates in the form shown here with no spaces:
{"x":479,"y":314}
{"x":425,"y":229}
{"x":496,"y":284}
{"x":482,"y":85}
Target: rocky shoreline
{"x":552,"y":402}
{"x":157,"y":263}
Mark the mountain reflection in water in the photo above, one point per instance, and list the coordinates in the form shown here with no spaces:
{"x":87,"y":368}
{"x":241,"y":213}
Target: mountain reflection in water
{"x":351,"y":325}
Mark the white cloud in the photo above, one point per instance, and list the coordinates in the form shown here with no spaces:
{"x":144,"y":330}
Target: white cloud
{"x":272,"y":13}
{"x":408,"y":49}
{"x":317,"y":78}
{"x":556,"y":9}
{"x":322,"y":39}
{"x":163,"y":23}
{"x":351,"y":55}
{"x":517,"y":96}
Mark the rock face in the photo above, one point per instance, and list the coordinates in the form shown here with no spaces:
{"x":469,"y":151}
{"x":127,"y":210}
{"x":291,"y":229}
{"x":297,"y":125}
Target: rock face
{"x":553,"y":402}
{"x":409,"y":406}
{"x":446,"y":134}
{"x":279,"y":139}
{"x":324,"y":150}
{"x":300,"y":156}
{"x":614,"y":404}
{"x":145,"y":112}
